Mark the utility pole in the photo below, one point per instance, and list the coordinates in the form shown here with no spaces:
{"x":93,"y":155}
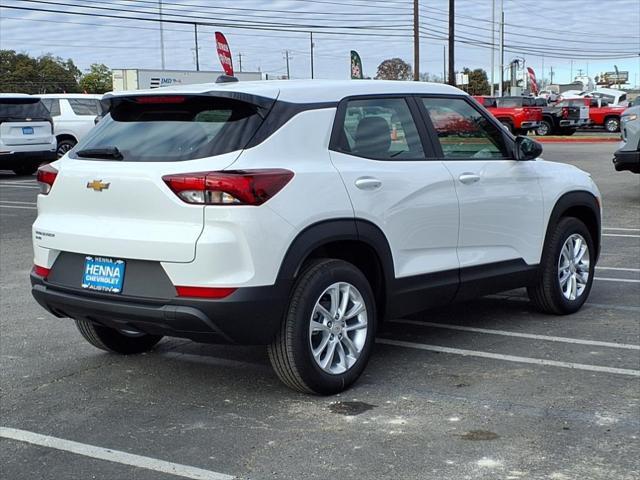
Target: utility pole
{"x":311,"y":45}
{"x":501,"y":48}
{"x":571,"y":77}
{"x":493,"y":46}
{"x":444,"y":64}
{"x":542,"y":78}
{"x":195,"y":33}
{"x":551,"y":74}
{"x":416,"y":41}
{"x":452,"y":63}
{"x":286,"y":56}
{"x":161,"y":35}
{"x":240,"y":61}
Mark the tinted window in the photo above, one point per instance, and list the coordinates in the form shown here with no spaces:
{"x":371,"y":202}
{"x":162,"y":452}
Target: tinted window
{"x":488,"y":102}
{"x":381,"y":129}
{"x":21,"y":108}
{"x":85,"y":106}
{"x":463,"y":131}
{"x":186,"y":128}
{"x":53,"y":105}
{"x":507,"y":102}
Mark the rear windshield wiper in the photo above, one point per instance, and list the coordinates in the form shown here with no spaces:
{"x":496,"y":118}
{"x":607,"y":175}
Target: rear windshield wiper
{"x":105,"y":152}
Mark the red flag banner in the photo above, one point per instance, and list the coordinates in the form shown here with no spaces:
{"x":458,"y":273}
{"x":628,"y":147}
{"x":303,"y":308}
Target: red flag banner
{"x":224,"y":53}
{"x":532,"y":81}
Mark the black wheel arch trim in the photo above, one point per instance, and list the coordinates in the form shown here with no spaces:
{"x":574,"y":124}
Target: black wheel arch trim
{"x":579,"y":198}
{"x":328,"y":231}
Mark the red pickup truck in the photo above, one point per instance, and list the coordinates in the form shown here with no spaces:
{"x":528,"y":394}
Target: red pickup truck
{"x":518,"y":114}
{"x":601,"y":114}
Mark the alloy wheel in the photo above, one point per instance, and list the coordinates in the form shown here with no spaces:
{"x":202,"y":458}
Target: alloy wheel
{"x":338,"y":328}
{"x":573,"y":267}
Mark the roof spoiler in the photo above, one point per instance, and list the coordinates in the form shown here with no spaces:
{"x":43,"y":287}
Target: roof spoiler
{"x":226,"y":79}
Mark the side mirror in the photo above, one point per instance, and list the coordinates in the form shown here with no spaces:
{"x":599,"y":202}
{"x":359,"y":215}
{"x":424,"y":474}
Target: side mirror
{"x":527,"y":148}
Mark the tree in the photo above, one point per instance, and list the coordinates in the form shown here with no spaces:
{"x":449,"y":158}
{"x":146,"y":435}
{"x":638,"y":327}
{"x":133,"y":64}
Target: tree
{"x":478,"y":82}
{"x":98,"y":80}
{"x":46,"y":74}
{"x":430,"y":77}
{"x":394,"y":69}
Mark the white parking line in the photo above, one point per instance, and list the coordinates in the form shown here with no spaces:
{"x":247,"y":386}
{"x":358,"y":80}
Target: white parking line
{"x":508,"y":358}
{"x":17,"y":206}
{"x":625,"y":280}
{"x":110,"y":455}
{"x":15,"y":201}
{"x":619,"y":269}
{"x":623,"y":229}
{"x":626,"y":235}
{"x":534,"y":336}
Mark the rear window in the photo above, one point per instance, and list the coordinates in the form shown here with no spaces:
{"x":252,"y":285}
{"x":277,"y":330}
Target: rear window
{"x":511,"y":102}
{"x":22,"y":108}
{"x":82,"y":106}
{"x":173,"y":128}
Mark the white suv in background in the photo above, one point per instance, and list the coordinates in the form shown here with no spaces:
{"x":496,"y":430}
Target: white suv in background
{"x":74,"y":114}
{"x":26,"y":133}
{"x":300,"y":215}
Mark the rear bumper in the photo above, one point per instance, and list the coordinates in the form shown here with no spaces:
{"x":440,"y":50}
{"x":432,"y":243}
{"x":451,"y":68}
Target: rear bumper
{"x":529,"y":125}
{"x":23,"y":158}
{"x":627,"y":160}
{"x":574,"y":123}
{"x":249,"y":316}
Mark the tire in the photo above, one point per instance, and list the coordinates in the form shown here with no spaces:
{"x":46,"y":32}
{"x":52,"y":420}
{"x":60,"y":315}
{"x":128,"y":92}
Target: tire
{"x":114,"y":341}
{"x":26,"y":169}
{"x":547,"y":294}
{"x":507,"y":125}
{"x":291,"y":353}
{"x":64,"y":146}
{"x":612,"y":124}
{"x":544,"y":129}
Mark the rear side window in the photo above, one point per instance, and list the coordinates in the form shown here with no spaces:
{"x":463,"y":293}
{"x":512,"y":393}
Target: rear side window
{"x":53,"y":105}
{"x":509,"y":102}
{"x":380,"y":129}
{"x":85,"y":106}
{"x":463,"y":132}
{"x":173,"y":128}
{"x":22,"y":108}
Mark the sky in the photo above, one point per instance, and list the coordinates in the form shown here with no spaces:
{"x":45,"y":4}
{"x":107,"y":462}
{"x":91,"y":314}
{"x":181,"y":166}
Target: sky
{"x":569,"y":36}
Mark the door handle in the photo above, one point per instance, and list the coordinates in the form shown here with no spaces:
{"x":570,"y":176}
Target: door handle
{"x":368,"y":183}
{"x":468,"y":178}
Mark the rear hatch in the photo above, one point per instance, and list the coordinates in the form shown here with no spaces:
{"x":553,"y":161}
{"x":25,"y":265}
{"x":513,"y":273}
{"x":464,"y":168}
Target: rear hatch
{"x":532,"y":113}
{"x":24,"y":121}
{"x":109,"y":198}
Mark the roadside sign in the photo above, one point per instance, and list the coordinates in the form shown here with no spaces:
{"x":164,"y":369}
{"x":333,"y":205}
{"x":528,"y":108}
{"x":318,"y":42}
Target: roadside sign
{"x":224,"y":53}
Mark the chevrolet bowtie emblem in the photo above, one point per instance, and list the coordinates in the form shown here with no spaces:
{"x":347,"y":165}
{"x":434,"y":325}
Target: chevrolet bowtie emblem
{"x":98,"y":186}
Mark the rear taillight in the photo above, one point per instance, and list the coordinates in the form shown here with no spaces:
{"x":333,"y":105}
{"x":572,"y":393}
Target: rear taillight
{"x":41,"y":271}
{"x":240,"y":187}
{"x":204,"y":292}
{"x":46,"y":176}
{"x":565,"y":112}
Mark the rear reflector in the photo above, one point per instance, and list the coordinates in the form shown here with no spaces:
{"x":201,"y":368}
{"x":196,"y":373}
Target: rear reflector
{"x":41,"y":271}
{"x":234,"y":187}
{"x":204,"y":292}
{"x":45,"y":177}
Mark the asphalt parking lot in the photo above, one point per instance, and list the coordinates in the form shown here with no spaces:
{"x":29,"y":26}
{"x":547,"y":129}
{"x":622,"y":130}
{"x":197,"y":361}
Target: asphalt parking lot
{"x":488,"y":389}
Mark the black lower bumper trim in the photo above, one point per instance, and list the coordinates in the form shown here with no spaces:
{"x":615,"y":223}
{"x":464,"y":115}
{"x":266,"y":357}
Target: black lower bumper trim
{"x":250,"y":316}
{"x":627,"y":160}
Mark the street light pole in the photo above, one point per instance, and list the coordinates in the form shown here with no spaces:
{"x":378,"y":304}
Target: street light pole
{"x":493,"y":46}
{"x":500,"y":92}
{"x":416,"y":41}
{"x":161,"y":35}
{"x":195,"y":33}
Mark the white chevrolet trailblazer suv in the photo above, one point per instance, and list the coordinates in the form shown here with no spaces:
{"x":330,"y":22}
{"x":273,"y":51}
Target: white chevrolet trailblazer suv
{"x":300,"y":215}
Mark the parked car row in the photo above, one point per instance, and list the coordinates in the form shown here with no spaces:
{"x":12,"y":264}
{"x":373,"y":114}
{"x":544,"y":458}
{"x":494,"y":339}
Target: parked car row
{"x":38,"y":129}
